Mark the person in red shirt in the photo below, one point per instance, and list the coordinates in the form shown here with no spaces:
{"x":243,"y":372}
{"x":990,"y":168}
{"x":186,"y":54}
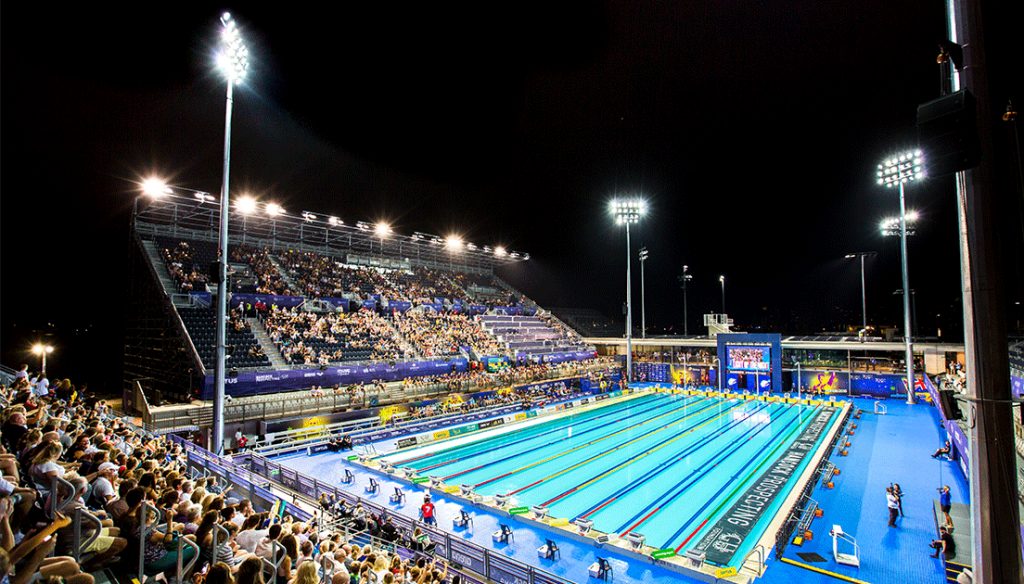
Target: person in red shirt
{"x":427,"y":511}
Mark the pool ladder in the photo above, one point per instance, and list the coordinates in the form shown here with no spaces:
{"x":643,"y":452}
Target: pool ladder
{"x":759,"y":553}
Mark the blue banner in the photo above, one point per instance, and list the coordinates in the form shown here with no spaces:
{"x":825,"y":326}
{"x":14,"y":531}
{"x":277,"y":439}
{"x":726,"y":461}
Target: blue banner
{"x":268,"y":299}
{"x":256,"y":382}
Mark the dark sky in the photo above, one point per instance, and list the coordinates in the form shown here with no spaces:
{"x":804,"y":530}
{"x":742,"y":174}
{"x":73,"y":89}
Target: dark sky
{"x":753,"y":129}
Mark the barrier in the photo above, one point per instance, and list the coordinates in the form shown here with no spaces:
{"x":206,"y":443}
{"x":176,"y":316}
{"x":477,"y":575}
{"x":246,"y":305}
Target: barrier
{"x":494,"y":566}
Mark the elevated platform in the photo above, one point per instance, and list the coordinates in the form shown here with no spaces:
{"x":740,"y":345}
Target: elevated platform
{"x":961,"y":516}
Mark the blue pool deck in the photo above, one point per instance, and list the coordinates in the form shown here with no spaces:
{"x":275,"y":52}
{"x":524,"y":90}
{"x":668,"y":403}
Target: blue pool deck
{"x":891,"y":448}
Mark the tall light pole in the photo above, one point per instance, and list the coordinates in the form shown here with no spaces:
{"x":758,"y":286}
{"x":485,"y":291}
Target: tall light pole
{"x":233,"y":61}
{"x":897,"y":171}
{"x":863,"y":288}
{"x":721,"y":280}
{"x":643,"y":295}
{"x":42,"y":351}
{"x":683,"y":279}
{"x":627,"y":212}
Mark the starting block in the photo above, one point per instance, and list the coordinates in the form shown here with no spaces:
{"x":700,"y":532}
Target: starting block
{"x":373,"y":488}
{"x":636,"y":540}
{"x":349,"y":478}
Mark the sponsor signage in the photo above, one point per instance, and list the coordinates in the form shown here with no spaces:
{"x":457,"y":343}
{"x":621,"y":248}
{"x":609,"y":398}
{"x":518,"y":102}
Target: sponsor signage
{"x":727,"y":534}
{"x":662,"y":554}
{"x":406,"y":442}
{"x":518,"y":510}
{"x":491,"y":423}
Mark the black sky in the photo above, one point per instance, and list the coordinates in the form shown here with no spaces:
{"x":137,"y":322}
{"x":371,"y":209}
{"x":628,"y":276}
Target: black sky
{"x":753,"y":128}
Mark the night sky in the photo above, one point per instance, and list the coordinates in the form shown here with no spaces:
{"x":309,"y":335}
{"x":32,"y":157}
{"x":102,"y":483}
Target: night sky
{"x":752,"y":128}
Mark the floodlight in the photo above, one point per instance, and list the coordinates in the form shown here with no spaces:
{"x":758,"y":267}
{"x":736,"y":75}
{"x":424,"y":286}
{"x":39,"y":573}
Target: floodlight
{"x":233,"y":57}
{"x":453,"y":242}
{"x":308,"y":217}
{"x":155,"y":187}
{"x":273,"y":209}
{"x":334,"y":221}
{"x":627,"y":210}
{"x":382,"y":229}
{"x":900,"y":169}
{"x":499,"y":251}
{"x":245,"y":205}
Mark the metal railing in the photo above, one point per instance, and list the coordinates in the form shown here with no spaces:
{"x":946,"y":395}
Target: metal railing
{"x":494,"y":566}
{"x":78,"y":546}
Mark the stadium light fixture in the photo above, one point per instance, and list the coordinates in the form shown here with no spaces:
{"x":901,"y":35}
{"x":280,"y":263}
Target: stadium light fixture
{"x":233,"y":57}
{"x":233,"y":61}
{"x":628,"y":211}
{"x":155,"y":188}
{"x":863,"y":288}
{"x":721,"y":280}
{"x":308,"y":217}
{"x":526,"y":256}
{"x":42,"y":350}
{"x":898,"y":171}
{"x":499,"y":251}
{"x":245,"y":205}
{"x":273,"y":209}
{"x":382,"y":229}
{"x":453,"y":242}
{"x":334,"y":221}
{"x":471,"y":246}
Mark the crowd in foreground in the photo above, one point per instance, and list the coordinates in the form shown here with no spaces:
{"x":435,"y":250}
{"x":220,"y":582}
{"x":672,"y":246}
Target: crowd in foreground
{"x":59,"y":455}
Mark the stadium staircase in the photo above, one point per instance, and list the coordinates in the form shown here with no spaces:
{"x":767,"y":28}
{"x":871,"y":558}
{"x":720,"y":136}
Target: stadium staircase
{"x":269,"y":348}
{"x":403,"y":341}
{"x":285,"y":276}
{"x":153,"y":254}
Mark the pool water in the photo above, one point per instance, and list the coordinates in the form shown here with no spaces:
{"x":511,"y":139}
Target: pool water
{"x":671,"y":467}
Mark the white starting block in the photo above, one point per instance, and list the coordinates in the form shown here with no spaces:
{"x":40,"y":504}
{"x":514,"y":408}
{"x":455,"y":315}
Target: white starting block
{"x":501,"y":500}
{"x":636,"y":540}
{"x":398,"y":497}
{"x":373,"y":487}
{"x":463,"y":521}
{"x":600,"y":569}
{"x":549,"y":551}
{"x":583,"y":526}
{"x":466,"y":490}
{"x":848,"y":559}
{"x":387,"y":467}
{"x":436,"y":482}
{"x":539,"y":512}
{"x":504,"y":535}
{"x":695,"y":558}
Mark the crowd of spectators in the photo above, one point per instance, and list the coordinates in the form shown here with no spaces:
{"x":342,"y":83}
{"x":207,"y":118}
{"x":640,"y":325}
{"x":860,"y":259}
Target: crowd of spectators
{"x":118,"y":474}
{"x":313,"y":338}
{"x":180,"y":261}
{"x":440,"y":334}
{"x":269,"y":280}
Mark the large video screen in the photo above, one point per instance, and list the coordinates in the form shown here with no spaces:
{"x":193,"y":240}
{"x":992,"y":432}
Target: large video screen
{"x":750,"y":358}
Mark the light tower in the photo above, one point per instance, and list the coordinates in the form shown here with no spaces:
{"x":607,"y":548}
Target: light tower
{"x":628,"y":211}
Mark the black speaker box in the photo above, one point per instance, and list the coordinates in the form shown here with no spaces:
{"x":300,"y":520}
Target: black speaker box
{"x":950,"y":407}
{"x":948,"y":134}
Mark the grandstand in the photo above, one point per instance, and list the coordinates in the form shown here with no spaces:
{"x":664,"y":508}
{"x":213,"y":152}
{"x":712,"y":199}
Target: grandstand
{"x":317,"y":295}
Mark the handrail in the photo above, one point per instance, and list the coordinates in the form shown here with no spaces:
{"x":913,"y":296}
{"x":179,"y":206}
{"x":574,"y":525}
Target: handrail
{"x":275,"y":562}
{"x":326,"y":571}
{"x":182,"y":570}
{"x":55,"y":485}
{"x":78,"y":546}
{"x":144,"y":530}
{"x":217,"y":530}
{"x":759,"y":549}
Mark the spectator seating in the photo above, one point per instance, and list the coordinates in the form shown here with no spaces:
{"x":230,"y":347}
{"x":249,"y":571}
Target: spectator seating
{"x":531,"y":335}
{"x":242,"y":347}
{"x":318,"y":338}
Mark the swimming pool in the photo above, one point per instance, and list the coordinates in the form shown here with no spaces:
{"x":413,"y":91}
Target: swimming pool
{"x":684,"y":471}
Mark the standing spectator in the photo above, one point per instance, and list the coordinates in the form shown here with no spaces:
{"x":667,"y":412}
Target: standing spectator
{"x":894,"y":506}
{"x":946,"y":504}
{"x":898,"y":492}
{"x":427,"y":511}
